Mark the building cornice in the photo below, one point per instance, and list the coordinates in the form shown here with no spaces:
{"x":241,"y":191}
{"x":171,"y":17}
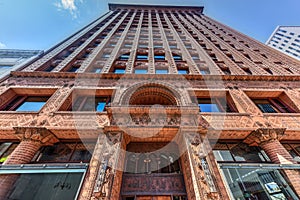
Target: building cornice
{"x":113,"y":6}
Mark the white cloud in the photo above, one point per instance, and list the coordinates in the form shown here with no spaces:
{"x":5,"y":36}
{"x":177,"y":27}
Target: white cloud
{"x":68,"y":5}
{"x":2,"y":46}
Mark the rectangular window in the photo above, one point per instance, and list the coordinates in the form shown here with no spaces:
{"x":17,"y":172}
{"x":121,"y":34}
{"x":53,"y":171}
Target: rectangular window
{"x":272,"y":105}
{"x":176,"y":57}
{"x":140,"y":71}
{"x":239,"y":152}
{"x":97,"y":70}
{"x":159,"y":57}
{"x":73,"y":69}
{"x":158,"y":46}
{"x":124,"y":57}
{"x":119,"y":71}
{"x":161,"y":71}
{"x":143,"y":46}
{"x":55,"y":182}
{"x":65,"y":152}
{"x":183,"y":71}
{"x":90,"y":103}
{"x":26,"y":103}
{"x":142,"y":57}
{"x":127,"y":45}
{"x":204,"y":71}
{"x":216,"y":104}
{"x":106,"y":55}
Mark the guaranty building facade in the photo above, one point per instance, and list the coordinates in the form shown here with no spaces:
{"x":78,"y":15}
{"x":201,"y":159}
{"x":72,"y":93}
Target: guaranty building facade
{"x":152,"y":103}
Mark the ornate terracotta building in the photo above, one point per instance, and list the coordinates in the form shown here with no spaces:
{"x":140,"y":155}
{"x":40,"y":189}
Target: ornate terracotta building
{"x":152,"y":102}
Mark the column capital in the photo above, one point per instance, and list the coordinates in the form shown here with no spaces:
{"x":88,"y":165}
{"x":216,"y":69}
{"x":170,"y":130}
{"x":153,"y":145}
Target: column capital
{"x":36,"y":134}
{"x":263,"y":135}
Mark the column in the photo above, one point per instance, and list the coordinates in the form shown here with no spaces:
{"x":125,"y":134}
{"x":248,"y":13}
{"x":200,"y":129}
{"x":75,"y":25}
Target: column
{"x":268,"y":140}
{"x":104,"y":177}
{"x":31,"y":140}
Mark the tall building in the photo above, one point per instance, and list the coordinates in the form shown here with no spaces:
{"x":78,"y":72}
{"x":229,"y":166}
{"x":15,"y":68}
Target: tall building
{"x":287,"y":40}
{"x":14,"y":59}
{"x":152,"y":102}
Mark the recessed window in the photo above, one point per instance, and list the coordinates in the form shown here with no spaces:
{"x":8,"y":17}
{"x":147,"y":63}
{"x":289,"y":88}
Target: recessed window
{"x":161,"y":71}
{"x":97,"y":70}
{"x":73,"y":69}
{"x":142,"y":57}
{"x":143,"y":46}
{"x":159,"y":57}
{"x":158,"y":46}
{"x":26,"y":103}
{"x":183,"y":71}
{"x":216,"y":104}
{"x":66,"y":152}
{"x":127,"y":45}
{"x":90,"y":103}
{"x":204,"y":71}
{"x":272,"y":105}
{"x":176,"y":57}
{"x":119,"y":71}
{"x":124,"y":57}
{"x":106,"y":55}
{"x":140,"y":71}
{"x":239,"y":152}
{"x":195,"y":57}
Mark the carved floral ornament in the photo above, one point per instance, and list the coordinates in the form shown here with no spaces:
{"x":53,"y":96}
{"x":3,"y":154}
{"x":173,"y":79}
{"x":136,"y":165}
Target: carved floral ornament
{"x":263,"y":135}
{"x":34,"y":134}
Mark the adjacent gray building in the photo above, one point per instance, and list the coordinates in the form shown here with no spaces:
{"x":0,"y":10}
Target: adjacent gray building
{"x":287,"y":40}
{"x":13,"y":59}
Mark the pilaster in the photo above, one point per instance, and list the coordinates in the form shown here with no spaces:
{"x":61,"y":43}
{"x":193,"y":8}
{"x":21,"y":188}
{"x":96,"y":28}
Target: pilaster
{"x":201,"y":178}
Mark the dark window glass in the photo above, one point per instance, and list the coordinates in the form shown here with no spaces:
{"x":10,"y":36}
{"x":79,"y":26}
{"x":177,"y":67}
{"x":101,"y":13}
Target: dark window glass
{"x":90,"y":103}
{"x":119,"y":71}
{"x":66,"y":152}
{"x":159,"y":57}
{"x":214,"y":105}
{"x":124,"y":57}
{"x":239,"y":152}
{"x":175,"y":57}
{"x":45,"y":186}
{"x":272,"y":106}
{"x":142,"y":57}
{"x":183,"y":71}
{"x":23,"y":103}
{"x":5,"y":150}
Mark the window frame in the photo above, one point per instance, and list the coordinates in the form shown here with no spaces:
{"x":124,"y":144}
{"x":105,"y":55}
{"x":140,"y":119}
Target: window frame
{"x":85,"y":99}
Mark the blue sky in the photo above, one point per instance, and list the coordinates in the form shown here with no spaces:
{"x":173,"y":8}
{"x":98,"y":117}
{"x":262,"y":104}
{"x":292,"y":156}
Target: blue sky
{"x":40,"y":24}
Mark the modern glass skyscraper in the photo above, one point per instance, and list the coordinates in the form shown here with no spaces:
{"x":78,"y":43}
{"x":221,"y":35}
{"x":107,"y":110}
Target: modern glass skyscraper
{"x":287,"y":40}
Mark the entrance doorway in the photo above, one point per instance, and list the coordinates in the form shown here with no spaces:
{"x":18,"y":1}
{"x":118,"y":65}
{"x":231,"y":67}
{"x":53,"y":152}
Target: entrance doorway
{"x":152,"y":171}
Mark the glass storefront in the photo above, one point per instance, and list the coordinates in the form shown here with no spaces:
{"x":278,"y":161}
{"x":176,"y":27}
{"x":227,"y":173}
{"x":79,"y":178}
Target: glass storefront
{"x":42,"y":182}
{"x":257,"y":183}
